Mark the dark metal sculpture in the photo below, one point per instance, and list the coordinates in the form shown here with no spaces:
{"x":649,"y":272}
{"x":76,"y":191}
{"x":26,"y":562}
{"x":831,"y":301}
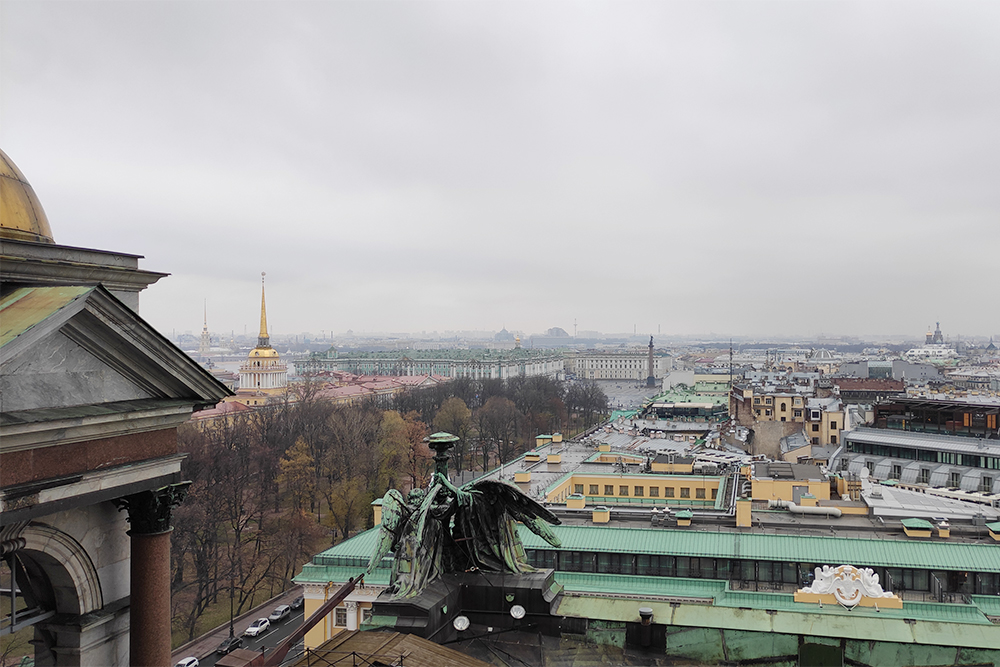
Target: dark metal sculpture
{"x":452,"y":529}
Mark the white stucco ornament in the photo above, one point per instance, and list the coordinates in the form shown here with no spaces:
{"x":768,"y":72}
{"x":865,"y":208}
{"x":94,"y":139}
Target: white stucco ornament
{"x":847,"y":584}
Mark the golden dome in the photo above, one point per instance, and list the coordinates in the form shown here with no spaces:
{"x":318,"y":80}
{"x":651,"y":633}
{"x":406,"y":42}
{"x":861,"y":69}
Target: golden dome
{"x":21,"y":214}
{"x":263,"y":353}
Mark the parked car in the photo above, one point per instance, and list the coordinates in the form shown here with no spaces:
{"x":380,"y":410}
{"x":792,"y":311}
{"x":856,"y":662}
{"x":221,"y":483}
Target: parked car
{"x":257,"y":627}
{"x":229,"y":644}
{"x":187,"y":662}
{"x":280,"y":613}
{"x":298,"y":602}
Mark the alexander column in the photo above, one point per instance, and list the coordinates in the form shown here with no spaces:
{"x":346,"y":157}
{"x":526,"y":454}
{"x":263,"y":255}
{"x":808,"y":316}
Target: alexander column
{"x":650,"y":380}
{"x":149,"y":604}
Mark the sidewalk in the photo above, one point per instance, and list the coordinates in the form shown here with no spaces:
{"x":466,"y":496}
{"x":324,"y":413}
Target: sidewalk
{"x":203,"y":646}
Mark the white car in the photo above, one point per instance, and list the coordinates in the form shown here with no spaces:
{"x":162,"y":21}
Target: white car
{"x":187,"y":662}
{"x":257,"y":627}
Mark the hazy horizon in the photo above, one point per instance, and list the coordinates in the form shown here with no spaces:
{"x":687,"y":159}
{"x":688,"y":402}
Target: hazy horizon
{"x":783,"y":167}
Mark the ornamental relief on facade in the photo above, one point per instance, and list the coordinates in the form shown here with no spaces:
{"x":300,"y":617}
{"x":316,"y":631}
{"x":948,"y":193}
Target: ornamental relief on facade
{"x":848,"y":586}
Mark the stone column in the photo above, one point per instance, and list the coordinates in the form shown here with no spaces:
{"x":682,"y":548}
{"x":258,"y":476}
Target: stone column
{"x":149,"y":607}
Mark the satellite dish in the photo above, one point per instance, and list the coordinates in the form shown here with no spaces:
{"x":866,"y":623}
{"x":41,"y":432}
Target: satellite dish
{"x":461,"y":623}
{"x":517,"y":611}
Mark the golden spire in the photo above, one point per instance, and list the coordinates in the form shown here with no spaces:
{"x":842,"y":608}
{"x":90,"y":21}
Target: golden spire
{"x":263,"y":340}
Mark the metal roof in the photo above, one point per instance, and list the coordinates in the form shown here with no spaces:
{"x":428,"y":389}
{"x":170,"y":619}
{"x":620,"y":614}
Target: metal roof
{"x":784,"y":548}
{"x":751,"y":546}
{"x":936,"y":441}
{"x":26,"y":307}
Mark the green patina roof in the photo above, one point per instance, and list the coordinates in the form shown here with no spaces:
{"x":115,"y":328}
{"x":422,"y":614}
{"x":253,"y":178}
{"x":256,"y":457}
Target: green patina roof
{"x":750,"y":546}
{"x":325,"y":573}
{"x":990,"y":604}
{"x":995,"y":526}
{"x":723,"y":596}
{"x":684,"y":514}
{"x":26,"y":307}
{"x":917,"y":524}
{"x":786,"y":548}
{"x":629,"y":584}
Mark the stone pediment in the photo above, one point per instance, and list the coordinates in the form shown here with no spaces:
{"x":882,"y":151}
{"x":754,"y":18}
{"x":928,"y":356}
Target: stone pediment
{"x":72,"y":346}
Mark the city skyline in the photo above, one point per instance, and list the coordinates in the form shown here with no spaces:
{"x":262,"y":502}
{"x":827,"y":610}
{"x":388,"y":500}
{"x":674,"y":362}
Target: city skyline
{"x":761,"y":168}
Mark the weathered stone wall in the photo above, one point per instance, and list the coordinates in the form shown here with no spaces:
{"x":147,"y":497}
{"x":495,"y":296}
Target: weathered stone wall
{"x":768,"y":435}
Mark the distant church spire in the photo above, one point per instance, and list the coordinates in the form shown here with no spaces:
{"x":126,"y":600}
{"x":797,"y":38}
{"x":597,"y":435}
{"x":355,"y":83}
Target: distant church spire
{"x":263,"y":340}
{"x":205,"y":344}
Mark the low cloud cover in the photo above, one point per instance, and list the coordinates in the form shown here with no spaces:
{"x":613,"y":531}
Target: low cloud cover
{"x":751,"y":168}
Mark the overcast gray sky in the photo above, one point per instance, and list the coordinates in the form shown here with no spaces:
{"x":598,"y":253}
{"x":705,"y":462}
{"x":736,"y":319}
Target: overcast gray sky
{"x":735,"y":167}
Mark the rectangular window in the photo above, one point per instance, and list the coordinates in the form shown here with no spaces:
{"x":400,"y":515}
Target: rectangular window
{"x":685,"y":492}
{"x":668,"y":492}
{"x":767,"y":413}
{"x":654,"y":492}
{"x":609,"y":490}
{"x":699,"y":493}
{"x":578,"y":488}
{"x":715,"y":492}
{"x":815,"y":428}
{"x":340,"y":619}
{"x":955,"y":479}
{"x":767,"y":401}
{"x":897,"y":472}
{"x":366,"y":614}
{"x":593,"y":490}
{"x":639,"y":491}
{"x":833,"y":425}
{"x":797,"y":413}
{"x":924,"y":477}
{"x":833,"y":440}
{"x":622,"y":490}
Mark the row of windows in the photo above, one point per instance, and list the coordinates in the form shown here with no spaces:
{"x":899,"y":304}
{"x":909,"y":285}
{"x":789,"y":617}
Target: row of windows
{"x":924,"y":477}
{"x":340,"y":616}
{"x":640,"y":491}
{"x":771,"y":572}
{"x":929,"y":455}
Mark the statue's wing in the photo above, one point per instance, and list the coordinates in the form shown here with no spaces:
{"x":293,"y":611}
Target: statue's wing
{"x":519,"y":506}
{"x":394,"y":517}
{"x":421,"y":548}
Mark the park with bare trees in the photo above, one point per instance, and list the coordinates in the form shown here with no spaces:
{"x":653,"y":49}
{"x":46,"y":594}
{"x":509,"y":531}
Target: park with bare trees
{"x":273,"y":486}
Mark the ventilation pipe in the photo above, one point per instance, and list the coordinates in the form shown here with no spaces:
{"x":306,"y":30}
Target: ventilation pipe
{"x":645,"y":629}
{"x":798,"y":509}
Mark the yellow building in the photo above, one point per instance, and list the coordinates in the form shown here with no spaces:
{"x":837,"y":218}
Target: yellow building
{"x":263,"y":376}
{"x":824,"y":421}
{"x":631,"y":489}
{"x":778,"y":407}
{"x":779,"y":480}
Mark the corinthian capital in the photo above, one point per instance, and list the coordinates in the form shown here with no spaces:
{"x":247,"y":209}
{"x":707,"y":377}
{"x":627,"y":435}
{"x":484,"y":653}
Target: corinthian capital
{"x":149,"y":511}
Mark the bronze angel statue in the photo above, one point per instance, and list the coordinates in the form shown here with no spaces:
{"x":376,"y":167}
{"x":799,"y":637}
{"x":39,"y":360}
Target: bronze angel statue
{"x":451,"y":529}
